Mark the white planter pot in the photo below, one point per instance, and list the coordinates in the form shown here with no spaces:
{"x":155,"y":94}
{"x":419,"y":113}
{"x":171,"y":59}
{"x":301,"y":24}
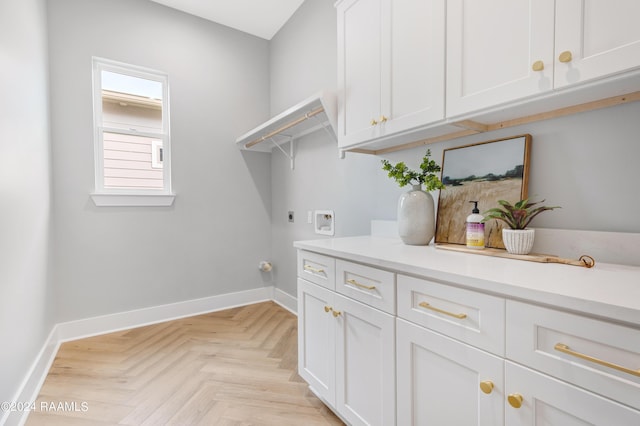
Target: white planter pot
{"x":416,"y":217}
{"x":518,"y":241}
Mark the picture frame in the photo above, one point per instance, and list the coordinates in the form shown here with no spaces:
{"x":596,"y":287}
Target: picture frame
{"x":484,"y":172}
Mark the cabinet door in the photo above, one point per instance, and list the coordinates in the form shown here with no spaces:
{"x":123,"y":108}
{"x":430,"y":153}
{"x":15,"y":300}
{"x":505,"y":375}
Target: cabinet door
{"x":491,"y":48}
{"x":365,"y":364}
{"x":413,"y":79}
{"x":548,"y":401}
{"x":316,"y":339}
{"x":602,"y":37}
{"x":359,"y":68}
{"x":439,"y":380}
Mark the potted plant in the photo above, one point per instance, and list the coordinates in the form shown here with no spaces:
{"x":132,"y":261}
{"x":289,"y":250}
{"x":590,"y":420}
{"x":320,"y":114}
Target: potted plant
{"x":416,"y":211}
{"x":517,"y":238}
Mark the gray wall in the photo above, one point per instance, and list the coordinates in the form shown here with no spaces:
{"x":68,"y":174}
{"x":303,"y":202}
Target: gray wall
{"x":26,"y":316}
{"x":586,"y":163}
{"x":114,"y":259}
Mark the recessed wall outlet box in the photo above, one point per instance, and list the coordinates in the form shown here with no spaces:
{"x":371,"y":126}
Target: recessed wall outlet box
{"x":324,"y":222}
{"x":290,"y":215}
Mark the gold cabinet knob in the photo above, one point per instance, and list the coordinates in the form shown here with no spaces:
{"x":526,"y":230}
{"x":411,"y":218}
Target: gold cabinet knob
{"x":383,"y":119}
{"x":537,"y":66}
{"x":515,"y":400}
{"x":373,"y":122}
{"x":336,"y":314}
{"x":327,"y":308}
{"x":486,"y":386}
{"x":565,"y":56}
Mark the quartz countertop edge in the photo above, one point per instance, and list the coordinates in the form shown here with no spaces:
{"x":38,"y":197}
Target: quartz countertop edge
{"x":607,"y":290}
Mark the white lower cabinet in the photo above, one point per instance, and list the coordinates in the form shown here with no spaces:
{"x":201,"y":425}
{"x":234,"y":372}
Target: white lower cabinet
{"x":456,"y":356}
{"x":316,"y":340}
{"x":445,"y":382}
{"x":346,"y":352}
{"x":537,"y":399}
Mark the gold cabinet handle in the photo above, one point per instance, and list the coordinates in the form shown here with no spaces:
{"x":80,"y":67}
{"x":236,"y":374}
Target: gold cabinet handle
{"x":515,"y":400}
{"x":335,"y":313}
{"x":357,"y":284}
{"x":561,"y":347}
{"x":312,"y":269}
{"x":486,"y":386}
{"x":383,"y":119}
{"x":565,"y":56}
{"x":537,"y":66}
{"x":373,"y":122}
{"x":433,"y":308}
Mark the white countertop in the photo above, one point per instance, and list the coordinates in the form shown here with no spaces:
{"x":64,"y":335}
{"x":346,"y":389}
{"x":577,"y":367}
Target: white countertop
{"x":606,"y":290}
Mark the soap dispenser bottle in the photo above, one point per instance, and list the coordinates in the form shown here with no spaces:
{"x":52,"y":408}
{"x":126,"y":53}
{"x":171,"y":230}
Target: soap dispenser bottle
{"x":475,"y":228}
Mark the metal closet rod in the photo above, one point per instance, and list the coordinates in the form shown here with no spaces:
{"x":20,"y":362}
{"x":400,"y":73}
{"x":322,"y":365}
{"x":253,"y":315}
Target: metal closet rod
{"x":285,"y":127}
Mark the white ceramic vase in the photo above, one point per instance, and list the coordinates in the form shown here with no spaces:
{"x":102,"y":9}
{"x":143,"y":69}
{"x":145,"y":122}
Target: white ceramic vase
{"x":416,"y":217}
{"x":518,"y":241}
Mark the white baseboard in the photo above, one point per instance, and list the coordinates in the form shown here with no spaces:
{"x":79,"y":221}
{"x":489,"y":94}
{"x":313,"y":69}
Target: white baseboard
{"x":80,"y":329}
{"x":30,"y":386}
{"x":87,"y":327}
{"x":285,"y":300}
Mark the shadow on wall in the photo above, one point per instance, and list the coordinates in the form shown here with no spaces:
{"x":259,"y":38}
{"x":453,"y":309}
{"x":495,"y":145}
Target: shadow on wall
{"x":259,"y":167}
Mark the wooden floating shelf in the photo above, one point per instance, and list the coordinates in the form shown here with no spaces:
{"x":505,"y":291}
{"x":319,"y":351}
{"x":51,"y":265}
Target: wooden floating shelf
{"x":472,"y":127}
{"x":584,"y":261}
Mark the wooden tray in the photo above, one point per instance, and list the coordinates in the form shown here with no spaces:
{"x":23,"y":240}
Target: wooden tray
{"x":584,"y":260}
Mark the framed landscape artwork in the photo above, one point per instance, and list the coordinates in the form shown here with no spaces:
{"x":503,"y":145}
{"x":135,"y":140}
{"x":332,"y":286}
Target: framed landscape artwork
{"x":485,"y":172}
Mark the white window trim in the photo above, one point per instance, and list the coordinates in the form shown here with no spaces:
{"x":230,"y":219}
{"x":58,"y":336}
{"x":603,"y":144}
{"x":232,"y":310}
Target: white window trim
{"x":102,"y":196}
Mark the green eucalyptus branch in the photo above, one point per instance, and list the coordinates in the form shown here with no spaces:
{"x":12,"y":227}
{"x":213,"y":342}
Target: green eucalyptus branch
{"x":405,"y":176}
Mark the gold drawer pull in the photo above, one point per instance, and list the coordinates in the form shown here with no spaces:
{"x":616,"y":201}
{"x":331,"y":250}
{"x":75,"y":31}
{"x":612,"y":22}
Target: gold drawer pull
{"x":565,"y":56}
{"x":374,"y":122}
{"x":312,"y":269}
{"x":383,"y":119}
{"x":335,"y":313}
{"x":537,"y":66}
{"x":428,"y":306}
{"x":515,"y":400}
{"x":565,"y":349}
{"x":356,"y":283}
{"x":486,"y":386}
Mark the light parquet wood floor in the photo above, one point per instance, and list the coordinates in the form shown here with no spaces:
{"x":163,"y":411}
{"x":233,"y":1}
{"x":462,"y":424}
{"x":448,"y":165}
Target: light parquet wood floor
{"x":233,"y":367}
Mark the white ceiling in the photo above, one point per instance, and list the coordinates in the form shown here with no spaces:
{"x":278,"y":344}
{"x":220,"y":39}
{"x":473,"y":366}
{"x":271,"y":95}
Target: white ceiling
{"x":262,"y":18}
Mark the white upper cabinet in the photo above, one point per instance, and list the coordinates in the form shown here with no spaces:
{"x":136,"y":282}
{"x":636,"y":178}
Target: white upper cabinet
{"x":390,"y":67}
{"x":603,"y":38}
{"x":500,"y":51}
{"x":415,"y":69}
{"x":359,"y":69}
{"x":417,"y":66}
{"x":492,"y":46}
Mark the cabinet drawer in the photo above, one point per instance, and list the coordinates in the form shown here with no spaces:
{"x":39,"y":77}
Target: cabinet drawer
{"x":368,"y":285}
{"x":471,"y":317}
{"x":317,"y":268}
{"x":547,"y":401}
{"x":597,"y":355}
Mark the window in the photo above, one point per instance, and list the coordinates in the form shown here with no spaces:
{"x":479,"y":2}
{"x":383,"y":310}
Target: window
{"x":132,"y":146}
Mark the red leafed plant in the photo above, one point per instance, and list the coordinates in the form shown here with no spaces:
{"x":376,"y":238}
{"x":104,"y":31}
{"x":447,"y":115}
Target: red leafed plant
{"x":518,"y":215}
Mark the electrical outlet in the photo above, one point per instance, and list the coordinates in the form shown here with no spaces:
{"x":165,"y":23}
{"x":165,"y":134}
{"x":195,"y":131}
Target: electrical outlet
{"x":290,"y":215}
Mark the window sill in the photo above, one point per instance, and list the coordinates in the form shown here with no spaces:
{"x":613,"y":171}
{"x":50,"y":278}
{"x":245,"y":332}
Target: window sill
{"x":133,"y":200}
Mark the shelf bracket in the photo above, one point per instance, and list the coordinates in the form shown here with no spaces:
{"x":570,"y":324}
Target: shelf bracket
{"x":324,"y":126}
{"x":290,"y":155}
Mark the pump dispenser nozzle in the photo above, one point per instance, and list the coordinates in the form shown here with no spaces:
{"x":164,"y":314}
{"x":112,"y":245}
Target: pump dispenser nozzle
{"x":475,"y":207}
